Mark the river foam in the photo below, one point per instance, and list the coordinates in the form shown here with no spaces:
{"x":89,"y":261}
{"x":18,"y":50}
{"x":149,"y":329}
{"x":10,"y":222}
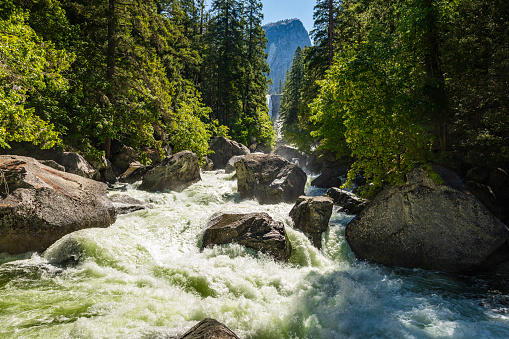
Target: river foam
{"x":145,"y":277}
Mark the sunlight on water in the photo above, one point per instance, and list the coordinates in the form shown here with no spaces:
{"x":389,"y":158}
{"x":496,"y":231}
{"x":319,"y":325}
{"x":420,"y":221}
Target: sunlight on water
{"x":145,"y":277}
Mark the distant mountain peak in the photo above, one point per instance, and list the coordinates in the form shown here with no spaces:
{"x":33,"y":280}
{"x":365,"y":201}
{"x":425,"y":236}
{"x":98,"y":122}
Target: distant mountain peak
{"x":283,"y":39}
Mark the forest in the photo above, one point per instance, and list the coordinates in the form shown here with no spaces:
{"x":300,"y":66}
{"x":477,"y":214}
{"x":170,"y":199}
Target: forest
{"x":390,"y":85}
{"x":386,"y":86}
{"x":79,"y":74}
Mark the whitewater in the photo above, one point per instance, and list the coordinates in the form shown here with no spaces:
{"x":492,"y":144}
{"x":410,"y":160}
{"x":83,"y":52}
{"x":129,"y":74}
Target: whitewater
{"x":146,"y":277}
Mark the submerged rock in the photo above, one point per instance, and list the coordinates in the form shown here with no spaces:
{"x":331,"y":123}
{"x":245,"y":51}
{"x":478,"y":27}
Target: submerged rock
{"x":224,"y":149}
{"x":254,"y":230}
{"x":39,"y":205}
{"x":125,"y":204}
{"x":311,"y":215}
{"x":347,"y":200}
{"x":269,"y":178}
{"x":175,"y":173}
{"x":426,"y":225}
{"x":209,"y":329}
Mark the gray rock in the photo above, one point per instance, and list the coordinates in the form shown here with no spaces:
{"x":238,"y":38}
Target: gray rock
{"x":105,"y":169}
{"x":134,"y":173}
{"x":347,"y":200}
{"x":53,"y":164}
{"x":311,"y":215}
{"x":209,"y":329}
{"x":39,"y":205}
{"x":422,"y":224}
{"x":208,"y":164}
{"x":175,"y":173}
{"x":329,"y":177}
{"x":254,"y":230}
{"x":125,"y":204}
{"x":230,"y":166}
{"x":76,"y":164}
{"x":224,"y":149}
{"x":292,"y":153}
{"x":283,"y":39}
{"x":269,"y":178}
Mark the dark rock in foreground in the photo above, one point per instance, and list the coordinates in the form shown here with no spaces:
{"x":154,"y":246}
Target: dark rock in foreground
{"x":39,"y":205}
{"x":422,"y":224}
{"x":269,"y":178}
{"x":224,"y":149}
{"x":311,"y":215}
{"x":209,"y":329}
{"x":347,"y":200}
{"x":254,"y":230}
{"x":176,"y":173}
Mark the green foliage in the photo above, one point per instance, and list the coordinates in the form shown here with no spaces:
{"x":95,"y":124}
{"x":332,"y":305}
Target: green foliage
{"x":28,"y":65}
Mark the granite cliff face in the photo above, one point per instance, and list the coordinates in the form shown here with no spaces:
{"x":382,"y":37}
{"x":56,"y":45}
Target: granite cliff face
{"x":283,"y":39}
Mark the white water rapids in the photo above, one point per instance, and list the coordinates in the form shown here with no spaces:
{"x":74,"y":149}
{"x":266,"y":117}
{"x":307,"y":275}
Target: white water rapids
{"x":145,"y":277}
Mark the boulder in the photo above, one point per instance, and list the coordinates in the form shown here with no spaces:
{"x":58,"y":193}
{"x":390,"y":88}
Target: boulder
{"x":122,"y":156}
{"x":224,"y":149}
{"x":292,"y":154}
{"x":209,"y":329}
{"x":208,"y":165}
{"x":76,"y":164}
{"x":254,"y":230}
{"x":105,"y":169}
{"x":175,"y":173}
{"x":427,"y":225}
{"x":269,"y":178}
{"x":311,"y":215}
{"x":230,"y":166}
{"x":134,"y":173}
{"x":347,"y":200}
{"x":53,"y":164}
{"x":125,"y":204}
{"x":329,"y":177}
{"x":39,"y":205}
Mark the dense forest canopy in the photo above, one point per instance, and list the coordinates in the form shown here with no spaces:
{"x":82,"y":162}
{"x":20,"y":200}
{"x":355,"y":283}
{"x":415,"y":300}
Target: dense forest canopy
{"x":83,"y":72}
{"x":410,"y":83}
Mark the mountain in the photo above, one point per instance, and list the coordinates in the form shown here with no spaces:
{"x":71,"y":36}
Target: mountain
{"x":283,"y":39}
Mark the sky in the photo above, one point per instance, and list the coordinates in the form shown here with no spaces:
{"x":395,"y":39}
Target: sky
{"x":275,"y":10}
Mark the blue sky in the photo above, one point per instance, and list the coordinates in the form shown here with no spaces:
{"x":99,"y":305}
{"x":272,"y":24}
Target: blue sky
{"x":275,"y":10}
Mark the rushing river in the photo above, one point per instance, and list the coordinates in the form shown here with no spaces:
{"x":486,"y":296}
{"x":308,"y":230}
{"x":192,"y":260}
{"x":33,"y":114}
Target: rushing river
{"x":145,"y":277}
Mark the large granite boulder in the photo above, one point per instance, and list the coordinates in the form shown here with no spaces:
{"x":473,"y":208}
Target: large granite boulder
{"x":330,"y":176}
{"x":224,"y":149}
{"x":269,"y":178}
{"x":423,"y":224}
{"x":134,"y":173}
{"x":76,"y":164}
{"x":253,"y":230}
{"x":39,"y":204}
{"x":292,"y":154}
{"x":230,"y":166}
{"x":347,"y":200}
{"x":311,"y":215}
{"x":209,"y":329}
{"x":174,"y":173}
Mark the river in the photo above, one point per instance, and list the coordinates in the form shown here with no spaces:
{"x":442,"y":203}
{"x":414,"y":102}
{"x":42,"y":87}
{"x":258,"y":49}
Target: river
{"x":145,"y":277}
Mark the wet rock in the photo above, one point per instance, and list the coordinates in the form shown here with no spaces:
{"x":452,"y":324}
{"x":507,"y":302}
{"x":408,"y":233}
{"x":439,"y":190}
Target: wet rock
{"x":125,"y":204}
{"x":208,"y":164}
{"x":347,"y":200}
{"x":224,"y":149}
{"x":230,"y":166}
{"x":209,"y":329}
{"x":254,"y":230}
{"x":329,"y":177}
{"x":39,"y":205}
{"x":76,"y":164}
{"x":311,"y":215}
{"x":175,"y":173}
{"x":422,"y":224}
{"x":269,"y":178}
{"x":134,"y":173}
{"x":290,"y":153}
